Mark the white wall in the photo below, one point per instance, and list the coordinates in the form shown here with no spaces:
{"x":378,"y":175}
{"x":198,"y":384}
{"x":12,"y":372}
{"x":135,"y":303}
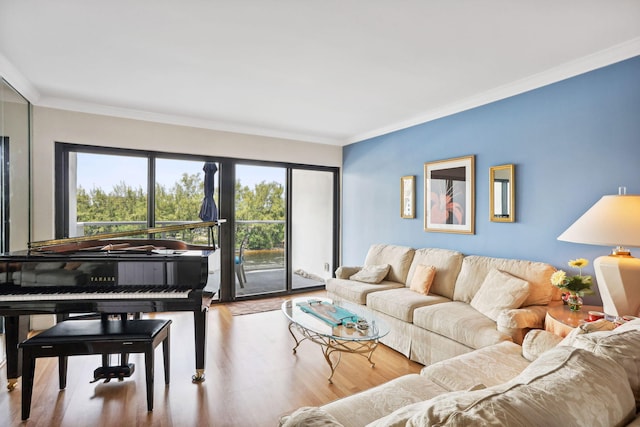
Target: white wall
{"x":312,"y":228}
{"x":53,"y":125}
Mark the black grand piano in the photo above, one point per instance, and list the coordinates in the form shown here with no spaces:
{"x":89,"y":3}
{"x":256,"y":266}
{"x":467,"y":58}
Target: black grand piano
{"x":104,"y":274}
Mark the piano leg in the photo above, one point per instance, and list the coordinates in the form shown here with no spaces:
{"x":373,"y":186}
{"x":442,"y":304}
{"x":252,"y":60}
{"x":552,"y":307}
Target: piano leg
{"x":17,"y":328}
{"x":200,"y":328}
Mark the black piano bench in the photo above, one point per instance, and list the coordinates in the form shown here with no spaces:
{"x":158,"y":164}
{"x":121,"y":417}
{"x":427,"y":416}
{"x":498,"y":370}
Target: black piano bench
{"x":82,"y":337}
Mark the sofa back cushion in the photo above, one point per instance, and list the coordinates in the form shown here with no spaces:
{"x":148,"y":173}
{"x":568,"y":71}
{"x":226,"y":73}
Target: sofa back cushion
{"x":447,"y":264}
{"x":398,"y":257}
{"x":475,"y":269}
{"x":564,"y":386}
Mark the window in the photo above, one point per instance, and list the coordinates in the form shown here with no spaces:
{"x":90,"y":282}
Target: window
{"x":281,"y":218}
{"x":107,"y":193}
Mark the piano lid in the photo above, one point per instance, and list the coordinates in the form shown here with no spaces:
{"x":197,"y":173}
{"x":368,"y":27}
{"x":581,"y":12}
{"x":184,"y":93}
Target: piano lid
{"x":106,"y":240}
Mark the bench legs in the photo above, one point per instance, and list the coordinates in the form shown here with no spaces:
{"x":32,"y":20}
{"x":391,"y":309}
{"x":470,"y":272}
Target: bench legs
{"x":29,"y":365}
{"x":28,"y":371}
{"x":62,"y":371}
{"x":148,"y":363}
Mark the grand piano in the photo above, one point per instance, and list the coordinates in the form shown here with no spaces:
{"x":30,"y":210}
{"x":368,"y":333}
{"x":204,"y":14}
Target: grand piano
{"x":105,"y":274}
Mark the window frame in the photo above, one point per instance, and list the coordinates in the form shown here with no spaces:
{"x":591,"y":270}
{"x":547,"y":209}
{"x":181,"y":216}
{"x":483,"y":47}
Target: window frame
{"x":226,"y":188}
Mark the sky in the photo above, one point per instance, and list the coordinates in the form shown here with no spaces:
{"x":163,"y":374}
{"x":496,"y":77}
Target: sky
{"x":105,"y":171}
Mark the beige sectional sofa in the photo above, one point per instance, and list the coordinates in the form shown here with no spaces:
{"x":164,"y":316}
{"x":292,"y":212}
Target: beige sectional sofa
{"x":473,"y":301}
{"x":591,"y":378}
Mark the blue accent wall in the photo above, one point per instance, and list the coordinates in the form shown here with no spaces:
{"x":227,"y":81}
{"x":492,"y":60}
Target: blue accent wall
{"x":572,"y":142}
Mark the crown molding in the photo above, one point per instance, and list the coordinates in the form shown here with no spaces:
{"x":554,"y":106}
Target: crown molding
{"x":582,"y":65}
{"x":171,"y":119}
{"x":12,"y":76}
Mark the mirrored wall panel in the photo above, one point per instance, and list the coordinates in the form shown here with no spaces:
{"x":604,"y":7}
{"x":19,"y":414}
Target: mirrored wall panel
{"x":15,"y":183}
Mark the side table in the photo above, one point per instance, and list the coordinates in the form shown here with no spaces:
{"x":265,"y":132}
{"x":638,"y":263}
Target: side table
{"x":560,"y":320}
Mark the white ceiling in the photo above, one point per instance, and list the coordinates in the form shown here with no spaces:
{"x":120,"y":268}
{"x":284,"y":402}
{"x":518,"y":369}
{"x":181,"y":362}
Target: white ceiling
{"x":328,"y":71}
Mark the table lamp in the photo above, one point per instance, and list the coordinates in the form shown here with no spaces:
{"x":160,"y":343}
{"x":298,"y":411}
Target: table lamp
{"x":613,"y":221}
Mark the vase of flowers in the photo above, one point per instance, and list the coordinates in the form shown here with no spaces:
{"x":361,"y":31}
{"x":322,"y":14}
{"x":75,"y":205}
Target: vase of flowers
{"x":574,"y":301}
{"x":574,"y":286}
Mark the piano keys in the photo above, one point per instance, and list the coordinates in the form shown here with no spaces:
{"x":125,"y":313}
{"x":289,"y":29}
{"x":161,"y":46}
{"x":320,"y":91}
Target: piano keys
{"x":103,"y":275}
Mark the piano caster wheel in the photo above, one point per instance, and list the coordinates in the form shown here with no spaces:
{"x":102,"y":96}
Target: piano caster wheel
{"x":11,"y":383}
{"x":198,"y":377}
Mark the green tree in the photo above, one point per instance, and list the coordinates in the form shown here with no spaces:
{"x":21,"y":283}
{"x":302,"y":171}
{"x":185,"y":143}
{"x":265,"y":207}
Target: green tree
{"x":264,"y":202}
{"x":181,"y":202}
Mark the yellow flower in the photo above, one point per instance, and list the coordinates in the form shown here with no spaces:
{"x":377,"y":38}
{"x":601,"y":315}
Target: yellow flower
{"x":575,"y":284}
{"x":558,"y":278}
{"x":578,"y":263}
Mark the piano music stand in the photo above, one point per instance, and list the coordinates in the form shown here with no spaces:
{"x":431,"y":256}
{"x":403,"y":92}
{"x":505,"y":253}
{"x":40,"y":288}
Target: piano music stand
{"x":83,"y":337}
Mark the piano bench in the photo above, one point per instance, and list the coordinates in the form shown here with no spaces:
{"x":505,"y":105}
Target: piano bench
{"x":83,"y":337}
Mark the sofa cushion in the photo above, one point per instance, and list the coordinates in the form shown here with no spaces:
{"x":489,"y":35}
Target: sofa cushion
{"x":371,"y":273}
{"x":422,"y":279}
{"x":447,"y":264}
{"x":622,"y":345}
{"x":560,"y":388}
{"x":364,"y":407}
{"x":401,"y":302}
{"x":309,"y":416}
{"x":354,"y":291}
{"x":499,"y":291}
{"x":475,"y":268}
{"x":398,"y":257}
{"x":489,"y":366}
{"x":459,"y":322}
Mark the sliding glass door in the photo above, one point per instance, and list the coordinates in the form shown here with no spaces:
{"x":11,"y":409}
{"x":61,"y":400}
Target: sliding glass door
{"x":280,"y":234}
{"x":260,"y":225}
{"x":284,"y":229}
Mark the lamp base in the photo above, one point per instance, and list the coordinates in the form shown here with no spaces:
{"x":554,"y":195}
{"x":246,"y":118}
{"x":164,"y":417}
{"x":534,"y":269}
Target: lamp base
{"x":618,"y":279}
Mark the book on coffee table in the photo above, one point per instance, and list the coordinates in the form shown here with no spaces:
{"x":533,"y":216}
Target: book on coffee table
{"x":328,"y":312}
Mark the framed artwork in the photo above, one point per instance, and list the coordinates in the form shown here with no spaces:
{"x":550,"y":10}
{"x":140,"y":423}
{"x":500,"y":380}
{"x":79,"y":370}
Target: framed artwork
{"x":408,"y":196}
{"x":449,"y":201}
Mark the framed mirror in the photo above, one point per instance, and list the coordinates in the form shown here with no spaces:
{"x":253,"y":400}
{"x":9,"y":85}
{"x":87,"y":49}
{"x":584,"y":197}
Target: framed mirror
{"x":503,"y":194}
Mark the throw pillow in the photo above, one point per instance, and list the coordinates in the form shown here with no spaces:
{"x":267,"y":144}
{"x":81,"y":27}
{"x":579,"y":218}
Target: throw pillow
{"x":422,"y":278}
{"x":344,"y":272}
{"x":499,"y":291}
{"x":621,"y":346}
{"x":371,"y":273}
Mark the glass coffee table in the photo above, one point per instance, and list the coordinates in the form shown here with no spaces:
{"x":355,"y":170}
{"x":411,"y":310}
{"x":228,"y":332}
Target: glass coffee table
{"x":336,"y":328}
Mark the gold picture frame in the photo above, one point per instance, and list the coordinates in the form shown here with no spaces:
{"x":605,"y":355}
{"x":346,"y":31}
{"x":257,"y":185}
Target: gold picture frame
{"x":408,"y":196}
{"x":502,"y":193}
{"x":449,"y":195}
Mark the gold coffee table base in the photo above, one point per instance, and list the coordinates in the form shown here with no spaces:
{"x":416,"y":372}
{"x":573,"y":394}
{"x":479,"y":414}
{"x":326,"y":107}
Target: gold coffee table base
{"x":329,"y":346}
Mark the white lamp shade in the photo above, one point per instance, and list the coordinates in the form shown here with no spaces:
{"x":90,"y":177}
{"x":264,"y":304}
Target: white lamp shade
{"x":612,"y":221}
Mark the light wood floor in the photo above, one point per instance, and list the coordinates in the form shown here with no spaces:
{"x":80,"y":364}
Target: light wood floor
{"x":252,"y":378}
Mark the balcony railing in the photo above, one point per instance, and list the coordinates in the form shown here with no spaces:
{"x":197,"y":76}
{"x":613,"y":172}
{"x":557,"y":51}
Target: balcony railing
{"x":195,"y":236}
